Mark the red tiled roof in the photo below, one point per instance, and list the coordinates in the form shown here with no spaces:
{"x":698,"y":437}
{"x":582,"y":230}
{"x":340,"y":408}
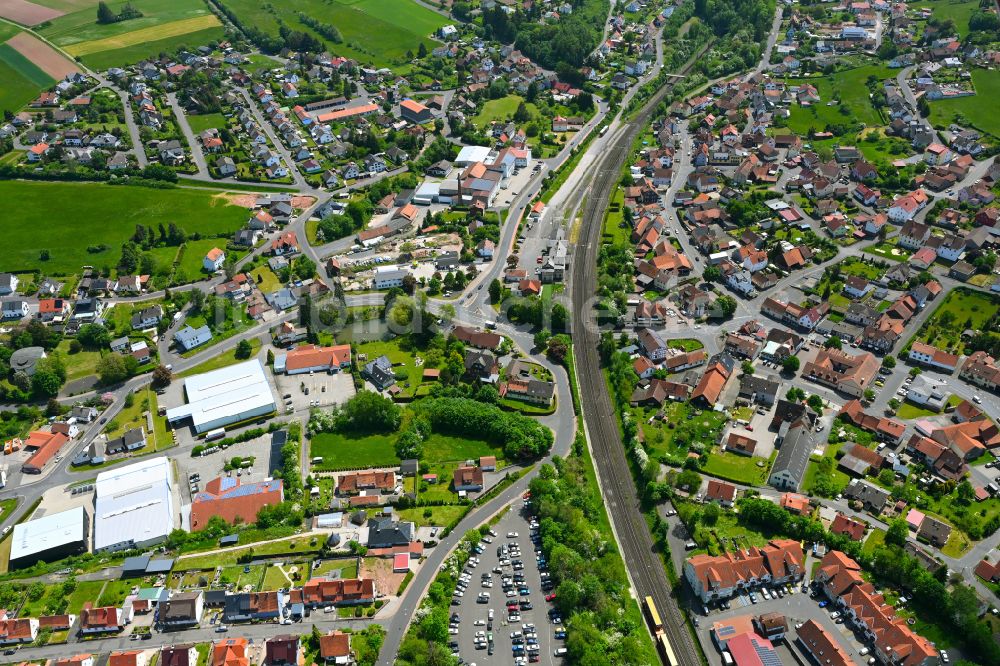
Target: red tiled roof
{"x":311,"y":356}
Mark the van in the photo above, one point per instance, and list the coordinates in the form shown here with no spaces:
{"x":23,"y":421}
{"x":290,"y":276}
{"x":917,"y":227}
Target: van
{"x":317,"y":460}
{"x":560,"y":652}
{"x":992,"y":488}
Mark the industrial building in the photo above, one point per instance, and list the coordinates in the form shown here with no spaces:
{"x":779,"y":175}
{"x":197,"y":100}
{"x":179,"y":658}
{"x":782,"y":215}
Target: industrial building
{"x":222,"y":397}
{"x":134,"y":506}
{"x":49,"y":538}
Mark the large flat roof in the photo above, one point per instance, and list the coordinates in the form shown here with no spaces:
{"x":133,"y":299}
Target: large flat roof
{"x":47,"y":532}
{"x":227,"y":392}
{"x":133,"y":504}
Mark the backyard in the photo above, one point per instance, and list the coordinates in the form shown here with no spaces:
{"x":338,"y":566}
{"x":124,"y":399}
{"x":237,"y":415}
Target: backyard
{"x":682,"y":427}
{"x":746,"y":470}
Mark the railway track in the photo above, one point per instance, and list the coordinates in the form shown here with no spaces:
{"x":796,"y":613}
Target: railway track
{"x":644,"y":564}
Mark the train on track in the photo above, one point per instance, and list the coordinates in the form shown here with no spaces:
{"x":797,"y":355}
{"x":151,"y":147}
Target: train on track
{"x":659,"y":635}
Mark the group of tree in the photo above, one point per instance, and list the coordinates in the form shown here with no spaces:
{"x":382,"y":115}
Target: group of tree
{"x":106,"y":16}
{"x":520,"y":436}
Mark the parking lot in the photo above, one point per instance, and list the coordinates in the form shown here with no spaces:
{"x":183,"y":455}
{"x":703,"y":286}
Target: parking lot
{"x":302,"y":392}
{"x":266,"y":459}
{"x":797,"y":607}
{"x":516,"y":615}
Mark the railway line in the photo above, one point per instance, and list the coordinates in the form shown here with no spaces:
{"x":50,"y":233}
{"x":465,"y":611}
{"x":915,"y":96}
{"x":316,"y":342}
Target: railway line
{"x":644,"y":565}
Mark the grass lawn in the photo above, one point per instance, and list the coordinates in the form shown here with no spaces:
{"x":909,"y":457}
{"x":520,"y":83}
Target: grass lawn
{"x":241,"y":578}
{"x":374,"y":31}
{"x":266,"y":279}
{"x":684,"y":425}
{"x":114,"y":593}
{"x":751,"y":471}
{"x":85,"y":591}
{"x":957,"y":544}
{"x":201,"y":122}
{"x":975,"y":109}
{"x":440,"y":516}
{"x":101,"y":214}
{"x":348,"y":568}
{"x":22,"y":79}
{"x":502,"y":108}
{"x":275,"y":578}
{"x":79,"y":365}
{"x":963,"y":308}
{"x":908,"y":411}
{"x":6,"y":507}
{"x":888,"y":251}
{"x":212,"y":559}
{"x":815,"y":474}
{"x":687,"y":344}
{"x":191,"y":267}
{"x":444,"y":448}
{"x":223,"y":360}
{"x":875,"y":539}
{"x":849,"y":86}
{"x":346,"y":451}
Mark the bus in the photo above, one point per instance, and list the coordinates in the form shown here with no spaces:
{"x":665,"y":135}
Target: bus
{"x":604,"y":130}
{"x":213,"y":435}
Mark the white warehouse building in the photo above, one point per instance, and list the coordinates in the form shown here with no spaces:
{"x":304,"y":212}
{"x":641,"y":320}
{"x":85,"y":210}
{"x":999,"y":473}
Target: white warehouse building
{"x":134,"y":506}
{"x":222,"y":397}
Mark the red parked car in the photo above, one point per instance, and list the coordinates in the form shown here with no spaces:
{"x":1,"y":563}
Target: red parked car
{"x":550,"y":596}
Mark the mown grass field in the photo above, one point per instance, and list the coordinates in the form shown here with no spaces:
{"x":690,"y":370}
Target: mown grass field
{"x":345,"y":451}
{"x":77,"y":215}
{"x":200,"y":123}
{"x":374,"y":31}
{"x":978,"y":109}
{"x":501,"y":109}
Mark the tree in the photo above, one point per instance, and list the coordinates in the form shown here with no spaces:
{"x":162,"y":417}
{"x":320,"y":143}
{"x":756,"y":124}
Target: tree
{"x":710,"y":514}
{"x":747,"y":368}
{"x":790,"y":364}
{"x":162,"y":376}
{"x":833,"y":342}
{"x":496,"y":291}
{"x":369,"y":412}
{"x":522,"y":115}
{"x":795,"y":394}
{"x":965,"y":493}
{"x":726,"y":306}
{"x":815,"y":402}
{"x":712,"y":274}
{"x":557,"y":348}
{"x":897,"y":532}
{"x":112,"y":369}
{"x":93,"y":336}
{"x":889,"y":362}
{"x":244,"y":349}
{"x":422,"y":50}
{"x":45,"y":384}
{"x":869,"y":395}
{"x":104,"y":14}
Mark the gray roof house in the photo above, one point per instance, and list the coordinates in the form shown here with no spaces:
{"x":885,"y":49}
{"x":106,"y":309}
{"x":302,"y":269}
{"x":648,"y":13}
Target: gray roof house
{"x":386,"y":533}
{"x":188,"y":338}
{"x":379,"y":372}
{"x":793,"y":457}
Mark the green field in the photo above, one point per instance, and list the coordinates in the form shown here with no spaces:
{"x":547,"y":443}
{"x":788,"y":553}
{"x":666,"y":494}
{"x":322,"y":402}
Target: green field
{"x":22,"y":80}
{"x":974,"y":110}
{"x":128,"y":55}
{"x":81,"y":26}
{"x":962,"y":309}
{"x":79,"y":365}
{"x":374,"y":31}
{"x":442,"y":448}
{"x":346,"y":451}
{"x":751,"y":471}
{"x":224,"y":359}
{"x":200,"y":123}
{"x":957,"y":10}
{"x":501,"y":109}
{"x":440,"y":516}
{"x":77,"y":215}
{"x":849,"y":86}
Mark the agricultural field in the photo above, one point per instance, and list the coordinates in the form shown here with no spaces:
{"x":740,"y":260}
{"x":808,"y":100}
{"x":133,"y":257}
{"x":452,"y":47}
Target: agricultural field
{"x":78,"y":215}
{"x":379,"y":32}
{"x":164,"y":25}
{"x":22,"y":79}
{"x":977,"y":110}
